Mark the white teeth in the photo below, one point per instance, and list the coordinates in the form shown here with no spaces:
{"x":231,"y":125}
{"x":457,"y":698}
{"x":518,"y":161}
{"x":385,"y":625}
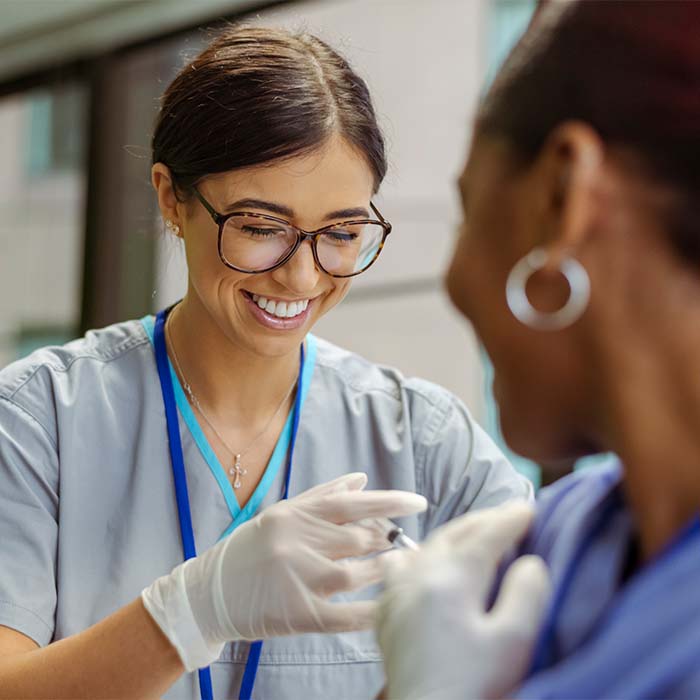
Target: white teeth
{"x":281,"y":309}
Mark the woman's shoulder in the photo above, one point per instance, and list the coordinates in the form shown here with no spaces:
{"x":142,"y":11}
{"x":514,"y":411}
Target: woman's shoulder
{"x":564,"y":507}
{"x":99,"y":346}
{"x":456,"y":464}
{"x":357,"y":374}
{"x":33,"y":383}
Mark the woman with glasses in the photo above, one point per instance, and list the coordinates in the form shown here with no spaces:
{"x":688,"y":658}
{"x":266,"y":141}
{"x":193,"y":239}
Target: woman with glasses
{"x":222,"y":430}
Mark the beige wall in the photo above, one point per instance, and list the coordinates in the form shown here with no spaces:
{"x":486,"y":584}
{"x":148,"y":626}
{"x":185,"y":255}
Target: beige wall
{"x":424,"y":63}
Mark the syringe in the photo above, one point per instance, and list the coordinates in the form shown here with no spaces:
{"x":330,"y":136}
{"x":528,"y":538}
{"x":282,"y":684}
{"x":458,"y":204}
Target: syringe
{"x":399,"y":538}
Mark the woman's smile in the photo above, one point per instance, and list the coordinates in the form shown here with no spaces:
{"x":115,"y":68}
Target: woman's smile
{"x":278,"y":314}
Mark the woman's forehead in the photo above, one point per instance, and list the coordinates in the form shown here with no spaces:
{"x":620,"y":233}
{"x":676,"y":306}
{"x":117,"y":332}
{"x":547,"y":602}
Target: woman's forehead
{"x":332,"y":175}
{"x":334,"y":153}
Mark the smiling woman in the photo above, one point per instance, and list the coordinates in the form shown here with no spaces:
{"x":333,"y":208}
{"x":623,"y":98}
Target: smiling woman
{"x":266,"y":256}
{"x":266,"y":157}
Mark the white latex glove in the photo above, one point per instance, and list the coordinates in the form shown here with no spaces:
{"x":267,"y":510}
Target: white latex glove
{"x":438,"y":639}
{"x":273,"y":575}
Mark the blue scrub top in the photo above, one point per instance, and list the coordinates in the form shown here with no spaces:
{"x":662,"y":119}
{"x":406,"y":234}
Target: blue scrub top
{"x":611,"y":637}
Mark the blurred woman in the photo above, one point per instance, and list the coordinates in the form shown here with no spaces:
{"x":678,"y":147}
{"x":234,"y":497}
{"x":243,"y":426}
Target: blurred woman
{"x":579,"y":266}
{"x":154,"y":439}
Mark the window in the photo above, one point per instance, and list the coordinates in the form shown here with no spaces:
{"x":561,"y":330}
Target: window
{"x":42,"y":191}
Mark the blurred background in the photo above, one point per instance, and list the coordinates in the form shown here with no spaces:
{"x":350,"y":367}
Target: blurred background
{"x":81,"y":244}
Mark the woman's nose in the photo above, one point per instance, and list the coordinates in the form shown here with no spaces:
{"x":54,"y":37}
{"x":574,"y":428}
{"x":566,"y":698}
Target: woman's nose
{"x":300,"y":274}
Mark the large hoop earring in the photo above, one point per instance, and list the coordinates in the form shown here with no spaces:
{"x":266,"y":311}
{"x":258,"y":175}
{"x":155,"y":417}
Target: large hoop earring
{"x":526,"y":313}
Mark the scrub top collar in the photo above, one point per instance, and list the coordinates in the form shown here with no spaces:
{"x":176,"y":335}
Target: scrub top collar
{"x":239,"y":515}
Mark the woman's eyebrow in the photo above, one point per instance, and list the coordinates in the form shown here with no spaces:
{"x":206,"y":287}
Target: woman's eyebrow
{"x":352,"y":213}
{"x":282,"y":210}
{"x":249,"y":203}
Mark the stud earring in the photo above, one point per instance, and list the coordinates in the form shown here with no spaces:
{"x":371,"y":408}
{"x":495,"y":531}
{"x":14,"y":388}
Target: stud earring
{"x":172,"y":227}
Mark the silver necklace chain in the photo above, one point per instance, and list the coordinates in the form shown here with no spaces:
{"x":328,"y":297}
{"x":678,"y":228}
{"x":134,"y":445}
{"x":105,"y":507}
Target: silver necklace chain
{"x":237,"y":469}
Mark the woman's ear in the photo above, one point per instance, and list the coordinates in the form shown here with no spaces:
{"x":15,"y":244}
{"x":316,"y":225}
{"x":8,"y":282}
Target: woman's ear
{"x":167,"y":199}
{"x":569,"y":167}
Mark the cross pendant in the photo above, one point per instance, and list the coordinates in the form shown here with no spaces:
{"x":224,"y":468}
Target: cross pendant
{"x":238,"y":471}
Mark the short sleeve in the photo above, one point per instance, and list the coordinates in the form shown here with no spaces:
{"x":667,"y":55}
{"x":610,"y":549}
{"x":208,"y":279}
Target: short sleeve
{"x":459,"y":465}
{"x":28,"y":523}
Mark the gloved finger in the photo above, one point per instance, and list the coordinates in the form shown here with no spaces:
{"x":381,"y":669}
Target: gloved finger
{"x":454,"y":531}
{"x":523,"y":598}
{"x":355,"y":481}
{"x":343,"y":541}
{"x":494,"y":533}
{"x":394,"y":560}
{"x":458,"y":531}
{"x":398,"y":563}
{"x":349,"y":575}
{"x":346,"y":617}
{"x":341,"y":508}
{"x":487,"y":536}
{"x":330,"y":540}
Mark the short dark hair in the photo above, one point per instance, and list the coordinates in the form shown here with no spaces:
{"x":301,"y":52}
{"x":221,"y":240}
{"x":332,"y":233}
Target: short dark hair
{"x":630,"y":69}
{"x":257,"y":95}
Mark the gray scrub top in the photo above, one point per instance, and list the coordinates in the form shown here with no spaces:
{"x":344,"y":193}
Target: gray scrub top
{"x":87,"y":508}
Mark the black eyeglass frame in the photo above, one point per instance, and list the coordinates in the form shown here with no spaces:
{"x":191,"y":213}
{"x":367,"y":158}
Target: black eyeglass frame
{"x":313,"y":236}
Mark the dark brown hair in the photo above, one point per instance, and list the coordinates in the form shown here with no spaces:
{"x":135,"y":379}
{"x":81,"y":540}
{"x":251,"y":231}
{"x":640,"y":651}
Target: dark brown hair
{"x":630,"y":69}
{"x":257,"y":95}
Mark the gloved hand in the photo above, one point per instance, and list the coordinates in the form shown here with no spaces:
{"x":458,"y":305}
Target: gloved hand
{"x":438,"y":639}
{"x":272,"y":576}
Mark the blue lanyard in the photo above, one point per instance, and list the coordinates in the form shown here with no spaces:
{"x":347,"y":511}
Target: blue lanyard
{"x":182,"y":495}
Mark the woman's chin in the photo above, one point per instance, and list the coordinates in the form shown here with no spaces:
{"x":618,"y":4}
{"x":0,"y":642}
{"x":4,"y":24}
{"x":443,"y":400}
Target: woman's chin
{"x":276,"y":346}
{"x":526,"y":437}
{"x":540,"y":444}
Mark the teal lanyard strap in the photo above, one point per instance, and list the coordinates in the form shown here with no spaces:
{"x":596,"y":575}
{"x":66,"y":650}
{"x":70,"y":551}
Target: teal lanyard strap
{"x":251,"y":667}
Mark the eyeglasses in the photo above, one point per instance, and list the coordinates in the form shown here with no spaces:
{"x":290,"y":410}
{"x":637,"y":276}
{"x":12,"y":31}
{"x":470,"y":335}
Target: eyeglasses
{"x":255,"y":243}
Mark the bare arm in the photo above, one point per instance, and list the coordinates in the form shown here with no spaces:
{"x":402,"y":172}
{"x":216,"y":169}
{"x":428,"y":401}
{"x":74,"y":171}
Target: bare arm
{"x":123,"y":656}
